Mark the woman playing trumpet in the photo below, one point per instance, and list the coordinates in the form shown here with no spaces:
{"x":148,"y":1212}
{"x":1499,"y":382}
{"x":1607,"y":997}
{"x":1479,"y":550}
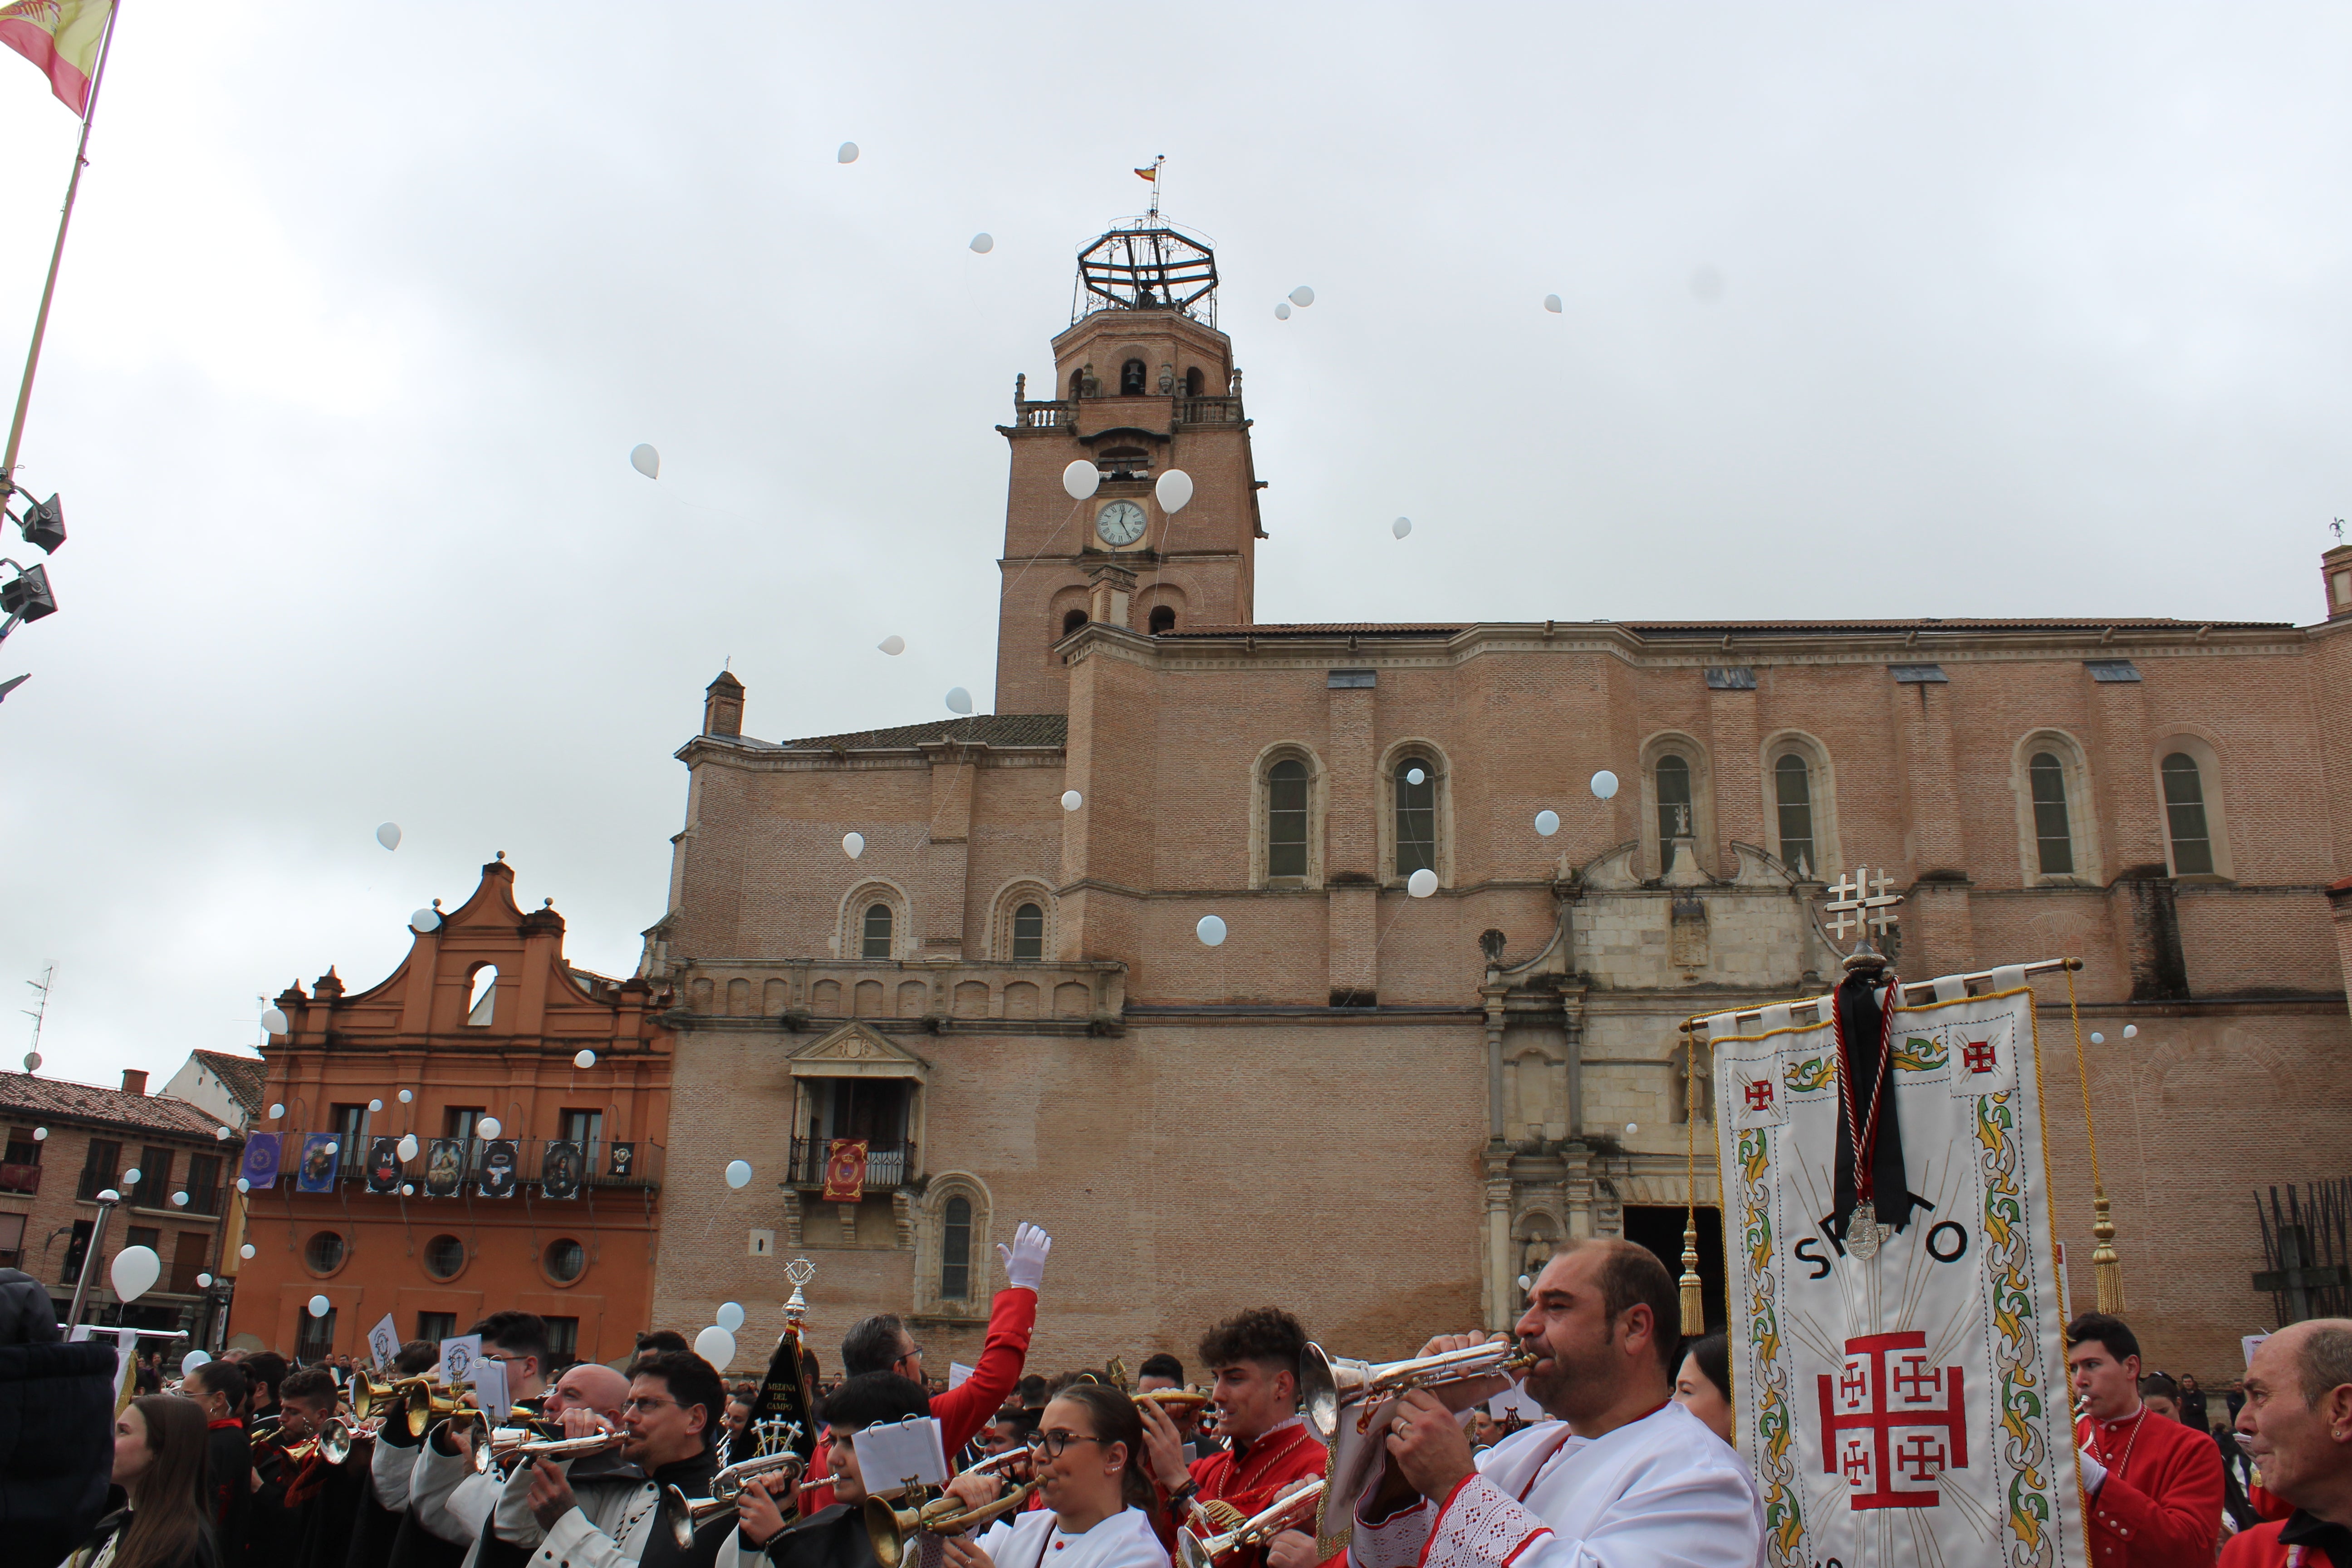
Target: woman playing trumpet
{"x":1087,"y":1452}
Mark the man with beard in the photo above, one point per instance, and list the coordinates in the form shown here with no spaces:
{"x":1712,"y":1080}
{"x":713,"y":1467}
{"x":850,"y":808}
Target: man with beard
{"x":1625,"y":1475}
{"x":668,"y":1425}
{"x":2296,"y":1422}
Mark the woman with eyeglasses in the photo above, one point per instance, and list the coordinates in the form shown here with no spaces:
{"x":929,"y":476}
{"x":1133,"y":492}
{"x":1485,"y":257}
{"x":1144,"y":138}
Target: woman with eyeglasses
{"x":1087,"y":1450}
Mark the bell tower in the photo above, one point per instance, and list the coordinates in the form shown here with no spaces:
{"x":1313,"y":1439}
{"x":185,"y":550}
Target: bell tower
{"x":1143,"y":383}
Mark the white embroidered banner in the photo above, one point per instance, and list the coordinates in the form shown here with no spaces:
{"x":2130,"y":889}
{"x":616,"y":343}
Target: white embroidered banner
{"x":1911,"y":1408}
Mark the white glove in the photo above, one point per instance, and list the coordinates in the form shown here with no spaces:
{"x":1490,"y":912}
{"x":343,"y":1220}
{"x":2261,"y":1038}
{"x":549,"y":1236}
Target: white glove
{"x":1024,"y":1260}
{"x":2094,"y":1475}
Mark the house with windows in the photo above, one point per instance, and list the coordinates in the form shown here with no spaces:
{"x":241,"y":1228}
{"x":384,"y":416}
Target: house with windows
{"x":172,"y":1161}
{"x":1138,"y":956}
{"x":481,"y":1130}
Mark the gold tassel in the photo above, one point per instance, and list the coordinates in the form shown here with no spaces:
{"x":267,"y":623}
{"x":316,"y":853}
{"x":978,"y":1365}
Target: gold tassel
{"x":2107,"y":1268}
{"x":1693,"y":1306}
{"x":1693,"y":1309}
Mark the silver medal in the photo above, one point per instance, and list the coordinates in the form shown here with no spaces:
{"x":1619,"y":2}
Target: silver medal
{"x":1863,"y":1232}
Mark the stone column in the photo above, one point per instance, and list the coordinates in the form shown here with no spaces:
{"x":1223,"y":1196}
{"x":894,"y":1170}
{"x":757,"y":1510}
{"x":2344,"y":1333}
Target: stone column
{"x":1496,"y":1298}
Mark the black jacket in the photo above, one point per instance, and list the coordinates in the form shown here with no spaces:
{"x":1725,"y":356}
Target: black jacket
{"x":830,"y":1538}
{"x":229,"y":1491}
{"x":56,"y":1447}
{"x":27,"y":1315}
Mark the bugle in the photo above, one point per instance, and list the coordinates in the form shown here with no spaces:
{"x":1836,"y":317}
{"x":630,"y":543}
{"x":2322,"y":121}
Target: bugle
{"x":888,"y":1529}
{"x":1176,"y":1401}
{"x":503,"y":1443}
{"x":332,"y":1442}
{"x":1288,"y":1510}
{"x":685,"y":1514}
{"x":1328,"y":1384}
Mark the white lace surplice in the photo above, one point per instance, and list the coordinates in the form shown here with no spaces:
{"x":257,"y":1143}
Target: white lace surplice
{"x":1660,"y":1492}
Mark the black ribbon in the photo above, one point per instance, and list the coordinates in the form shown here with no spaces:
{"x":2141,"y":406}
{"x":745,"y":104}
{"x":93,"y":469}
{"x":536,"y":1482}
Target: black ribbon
{"x":1861,"y":1031}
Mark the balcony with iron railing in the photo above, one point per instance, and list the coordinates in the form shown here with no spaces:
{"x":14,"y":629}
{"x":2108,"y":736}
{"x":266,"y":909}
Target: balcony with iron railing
{"x":20,"y":1178}
{"x":601,"y":1163}
{"x":888,"y":1166}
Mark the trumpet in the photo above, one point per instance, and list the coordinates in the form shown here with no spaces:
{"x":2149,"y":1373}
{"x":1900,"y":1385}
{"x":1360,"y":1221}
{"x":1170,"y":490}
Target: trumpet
{"x":686,"y":1514}
{"x":333,"y":1441}
{"x":1192,"y":1552}
{"x":505,"y":1442}
{"x":1328,"y":1383}
{"x":1176,"y":1401}
{"x":367,"y":1394}
{"x":888,"y":1528}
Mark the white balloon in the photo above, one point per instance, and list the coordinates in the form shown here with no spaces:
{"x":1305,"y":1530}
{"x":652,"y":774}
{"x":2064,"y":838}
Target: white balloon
{"x":1414,"y":775}
{"x":1421,"y":883}
{"x":407,"y":1190}
{"x":848,"y":154}
{"x":1400,"y":527}
{"x":193,"y":1359}
{"x":983,"y":243}
{"x":244,"y":1185}
{"x":715,"y":1345}
{"x":1302,"y":295}
{"x":894,"y":645}
{"x":135,"y":1269}
{"x":39,"y":1133}
{"x":179,"y":1200}
{"x":330,"y":1148}
{"x":274,"y":1020}
{"x":958,"y":699}
{"x":32,"y":1061}
{"x":487,"y":1127}
{"x":203,"y":1280}
{"x":221,"y":1133}
{"x":2097,"y":1038}
{"x":388,"y":834}
{"x":1552,"y":303}
{"x":853,"y":844}
{"x":739,"y":1173}
{"x":1072,"y":799}
{"x":645,"y":461}
{"x":1546,"y":823}
{"x":276,"y":1110}
{"x":1632,"y":1128}
{"x":131,"y":1177}
{"x":1081,"y":479}
{"x":246,"y":1251}
{"x":405,"y":1097}
{"x":320,"y":1306}
{"x":730,"y":1316}
{"x":584,"y":1060}
{"x":1604,"y":785}
{"x":1211,"y":931}
{"x":2131,"y":1031}
{"x":426,"y":920}
{"x":375,"y":1105}
{"x":1175,"y":490}
{"x":1282,"y":313}
{"x":408,"y":1146}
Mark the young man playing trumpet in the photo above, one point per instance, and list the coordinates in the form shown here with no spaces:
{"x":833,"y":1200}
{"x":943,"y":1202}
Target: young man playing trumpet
{"x":1626,"y":1476}
{"x":833,"y":1536}
{"x":1255,"y":1359}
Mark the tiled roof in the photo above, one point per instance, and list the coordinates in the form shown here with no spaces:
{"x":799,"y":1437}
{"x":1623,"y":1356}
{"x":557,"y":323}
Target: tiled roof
{"x":23,"y":1094}
{"x":245,"y":1078}
{"x":982,"y":728}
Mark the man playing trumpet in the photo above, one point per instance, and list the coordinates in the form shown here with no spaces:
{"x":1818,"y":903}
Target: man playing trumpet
{"x":1625,"y":1475}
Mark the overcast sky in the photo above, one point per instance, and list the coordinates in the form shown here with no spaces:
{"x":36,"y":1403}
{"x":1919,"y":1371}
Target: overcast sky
{"x":2041,"y":311}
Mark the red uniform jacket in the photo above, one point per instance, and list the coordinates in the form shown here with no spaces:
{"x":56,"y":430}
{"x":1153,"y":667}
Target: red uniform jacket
{"x":1289,"y":1454}
{"x":2297,"y":1542}
{"x":2161,"y":1505}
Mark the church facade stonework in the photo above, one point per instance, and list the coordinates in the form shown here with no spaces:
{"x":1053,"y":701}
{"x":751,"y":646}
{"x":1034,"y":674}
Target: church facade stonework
{"x":1378,"y":1110}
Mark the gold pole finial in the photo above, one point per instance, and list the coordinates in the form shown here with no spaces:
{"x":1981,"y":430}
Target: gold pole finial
{"x":2107,"y":1268}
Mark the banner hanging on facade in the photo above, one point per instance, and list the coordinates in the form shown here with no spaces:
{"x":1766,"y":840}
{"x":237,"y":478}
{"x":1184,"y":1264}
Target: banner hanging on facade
{"x":845,"y":1171}
{"x":1910,"y":1405}
{"x":258,"y":1168}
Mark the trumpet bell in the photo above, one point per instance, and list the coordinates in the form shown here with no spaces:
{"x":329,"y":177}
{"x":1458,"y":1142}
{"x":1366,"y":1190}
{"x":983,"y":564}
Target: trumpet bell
{"x":685,"y":1515}
{"x":888,"y":1528}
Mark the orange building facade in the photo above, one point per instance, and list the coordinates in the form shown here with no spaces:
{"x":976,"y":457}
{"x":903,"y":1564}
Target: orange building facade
{"x":441,"y":1152}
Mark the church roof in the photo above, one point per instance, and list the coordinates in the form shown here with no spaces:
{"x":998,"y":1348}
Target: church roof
{"x":22,"y":1094}
{"x":245,"y":1078}
{"x":980,"y":728}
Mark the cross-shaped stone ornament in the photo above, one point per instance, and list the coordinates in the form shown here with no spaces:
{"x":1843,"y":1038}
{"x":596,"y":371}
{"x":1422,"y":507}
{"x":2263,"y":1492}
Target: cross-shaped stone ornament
{"x":1857,"y":900}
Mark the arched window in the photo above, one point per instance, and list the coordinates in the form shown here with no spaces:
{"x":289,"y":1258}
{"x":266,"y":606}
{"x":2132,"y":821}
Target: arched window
{"x":2184,"y":816}
{"x":1193,"y":382}
{"x":1793,"y":792}
{"x":2054,"y":839}
{"x":1163,"y":620}
{"x":1286,"y":818}
{"x":874,"y":933}
{"x":1028,"y":934}
{"x":1131,"y":379}
{"x":1073,"y":621}
{"x":1077,"y":384}
{"x":1416,"y":815}
{"x":483,"y":1004}
{"x":955,"y":1249}
{"x":1675,"y":817}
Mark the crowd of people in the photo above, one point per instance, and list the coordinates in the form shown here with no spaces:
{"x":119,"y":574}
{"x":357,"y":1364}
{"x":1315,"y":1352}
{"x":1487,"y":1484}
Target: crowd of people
{"x":251,"y":1462}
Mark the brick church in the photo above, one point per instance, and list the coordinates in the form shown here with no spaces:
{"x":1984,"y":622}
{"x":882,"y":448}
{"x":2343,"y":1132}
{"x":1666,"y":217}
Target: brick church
{"x":1380,"y":1109}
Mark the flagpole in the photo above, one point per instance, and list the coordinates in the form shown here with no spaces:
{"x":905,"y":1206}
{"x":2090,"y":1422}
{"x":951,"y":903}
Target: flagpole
{"x":50,"y":289}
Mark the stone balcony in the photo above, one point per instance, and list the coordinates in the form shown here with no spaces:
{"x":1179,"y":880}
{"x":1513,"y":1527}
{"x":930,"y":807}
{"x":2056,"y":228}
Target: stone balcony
{"x":938,"y":995}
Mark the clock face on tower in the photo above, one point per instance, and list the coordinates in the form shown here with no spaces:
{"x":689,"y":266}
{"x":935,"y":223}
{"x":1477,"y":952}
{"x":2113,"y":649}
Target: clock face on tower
{"x":1120,"y":523}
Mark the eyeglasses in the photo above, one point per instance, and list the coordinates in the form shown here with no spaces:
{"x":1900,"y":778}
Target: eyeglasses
{"x":1055,"y":1443}
{"x":632,"y":1407}
{"x":501,"y":1357}
{"x":914,"y":1353}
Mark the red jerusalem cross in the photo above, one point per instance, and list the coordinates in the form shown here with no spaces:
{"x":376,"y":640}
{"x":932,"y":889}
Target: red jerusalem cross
{"x":1976,"y":1056}
{"x":1891,"y":1423}
{"x":1759,"y":1095}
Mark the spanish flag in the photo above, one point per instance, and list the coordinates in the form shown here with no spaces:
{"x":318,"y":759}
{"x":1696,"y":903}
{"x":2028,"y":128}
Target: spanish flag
{"x":1147,"y":173}
{"x":62,"y":38}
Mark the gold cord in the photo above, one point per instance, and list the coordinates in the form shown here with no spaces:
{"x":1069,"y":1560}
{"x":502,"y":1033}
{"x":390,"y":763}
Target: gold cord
{"x":2107,"y":1268}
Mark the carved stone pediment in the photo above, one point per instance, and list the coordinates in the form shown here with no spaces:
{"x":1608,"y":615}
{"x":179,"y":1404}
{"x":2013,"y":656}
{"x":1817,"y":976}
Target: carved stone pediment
{"x":855,"y":1050}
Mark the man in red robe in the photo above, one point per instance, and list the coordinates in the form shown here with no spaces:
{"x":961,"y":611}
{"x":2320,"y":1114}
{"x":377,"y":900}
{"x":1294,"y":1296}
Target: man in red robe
{"x":2155,"y":1486}
{"x":2297,"y":1424}
{"x":1254,"y":1360}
